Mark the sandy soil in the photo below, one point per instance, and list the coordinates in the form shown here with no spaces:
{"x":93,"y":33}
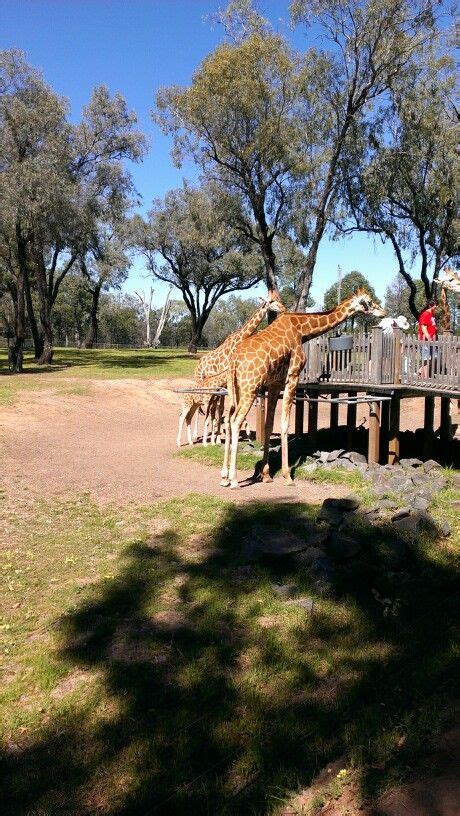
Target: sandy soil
{"x":116,"y":442}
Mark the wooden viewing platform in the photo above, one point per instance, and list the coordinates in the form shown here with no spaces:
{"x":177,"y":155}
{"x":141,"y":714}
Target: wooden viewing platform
{"x":389,"y":367}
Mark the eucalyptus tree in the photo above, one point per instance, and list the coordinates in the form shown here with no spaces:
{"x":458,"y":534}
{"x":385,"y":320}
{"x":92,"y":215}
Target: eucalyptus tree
{"x":402,"y":184}
{"x":371,"y":44}
{"x":239,"y":121}
{"x":34,"y":138}
{"x":189,"y":243}
{"x":57,"y":181}
{"x":90,"y":229}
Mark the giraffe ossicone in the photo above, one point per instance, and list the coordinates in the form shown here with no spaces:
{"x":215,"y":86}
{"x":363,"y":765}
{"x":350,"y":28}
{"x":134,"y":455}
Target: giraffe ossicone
{"x":274,"y":358}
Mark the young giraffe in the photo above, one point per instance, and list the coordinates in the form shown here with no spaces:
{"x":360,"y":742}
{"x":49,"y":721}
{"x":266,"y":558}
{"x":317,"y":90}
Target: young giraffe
{"x":450,"y":281}
{"x":214,"y":364}
{"x":274,"y":358}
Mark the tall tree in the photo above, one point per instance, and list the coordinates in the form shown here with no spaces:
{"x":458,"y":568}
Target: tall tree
{"x":56,"y":182}
{"x":33,"y":140}
{"x":188,"y":243}
{"x":397,"y":299}
{"x":372,"y":43}
{"x":239,"y":121}
{"x":402,"y":181}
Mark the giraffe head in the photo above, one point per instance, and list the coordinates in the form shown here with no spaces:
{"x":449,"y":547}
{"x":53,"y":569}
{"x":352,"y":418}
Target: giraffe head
{"x":362,"y":303}
{"x":273,"y":303}
{"x":450,"y":280}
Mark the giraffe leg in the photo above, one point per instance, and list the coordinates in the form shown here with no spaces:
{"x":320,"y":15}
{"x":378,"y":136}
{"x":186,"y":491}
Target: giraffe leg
{"x":192,"y":410}
{"x":292,"y":379}
{"x":195,"y":430}
{"x":220,"y":416}
{"x":212,"y":413}
{"x":272,"y":400}
{"x":184,"y":416}
{"x":225,"y":481}
{"x":235,"y":426}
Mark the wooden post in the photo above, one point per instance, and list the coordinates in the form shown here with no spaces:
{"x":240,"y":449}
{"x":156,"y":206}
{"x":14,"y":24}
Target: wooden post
{"x":334,"y":422}
{"x":428,"y":426}
{"x":393,"y":440}
{"x":260,"y":419}
{"x":351,"y":422}
{"x":376,"y":356}
{"x":299,"y":413}
{"x":384,"y":430}
{"x":446,"y":423}
{"x":374,"y":432}
{"x":397,"y":340}
{"x":312,"y":420}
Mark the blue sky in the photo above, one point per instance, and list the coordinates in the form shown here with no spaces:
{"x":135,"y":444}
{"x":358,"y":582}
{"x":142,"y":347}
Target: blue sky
{"x":135,"y":47}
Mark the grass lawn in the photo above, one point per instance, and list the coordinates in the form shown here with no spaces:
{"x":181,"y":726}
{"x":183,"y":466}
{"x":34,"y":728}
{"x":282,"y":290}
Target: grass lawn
{"x":151,"y":667}
{"x":94,"y":364}
{"x":248,"y":460}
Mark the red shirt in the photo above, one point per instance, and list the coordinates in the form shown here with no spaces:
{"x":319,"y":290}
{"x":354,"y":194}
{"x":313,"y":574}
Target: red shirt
{"x":427,"y":319}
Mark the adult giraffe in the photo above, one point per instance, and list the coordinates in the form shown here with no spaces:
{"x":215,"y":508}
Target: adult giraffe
{"x":274,"y":358}
{"x":211,"y":371}
{"x":450,"y":282}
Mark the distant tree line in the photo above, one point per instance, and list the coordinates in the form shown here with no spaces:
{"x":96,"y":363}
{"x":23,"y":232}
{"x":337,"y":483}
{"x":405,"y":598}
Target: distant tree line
{"x":356,"y":134}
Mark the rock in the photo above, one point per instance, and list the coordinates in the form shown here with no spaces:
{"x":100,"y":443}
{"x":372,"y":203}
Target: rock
{"x":366,"y":511}
{"x":357,"y":458}
{"x":411,"y":463}
{"x":343,"y":548}
{"x":418,"y":521}
{"x":409,"y":526}
{"x":304,"y":603}
{"x":323,"y":457}
{"x":310,"y":555}
{"x":444,"y":528}
{"x":346,"y":504}
{"x":430,"y":465}
{"x":264,"y":541}
{"x":285,"y":590}
{"x":335,"y":454}
{"x":344,"y":464}
{"x":419,"y":503}
{"x":310,"y":467}
{"x":332,"y":515}
{"x":402,"y":513}
{"x":388,"y":504}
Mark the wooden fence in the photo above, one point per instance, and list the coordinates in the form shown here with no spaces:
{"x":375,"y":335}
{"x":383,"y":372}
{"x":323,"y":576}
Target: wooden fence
{"x":376,"y":358}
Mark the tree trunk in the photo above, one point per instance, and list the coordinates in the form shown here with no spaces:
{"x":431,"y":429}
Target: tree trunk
{"x":46,"y":357}
{"x":162,"y":321}
{"x":198,"y":324}
{"x":37,"y":337}
{"x":91,"y":335}
{"x":16,"y":351}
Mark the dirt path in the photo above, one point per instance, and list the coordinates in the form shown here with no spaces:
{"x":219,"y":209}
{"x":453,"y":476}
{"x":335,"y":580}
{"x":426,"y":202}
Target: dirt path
{"x":116,"y":441}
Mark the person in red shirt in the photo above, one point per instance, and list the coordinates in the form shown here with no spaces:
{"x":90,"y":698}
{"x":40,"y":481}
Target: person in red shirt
{"x":427,"y":330}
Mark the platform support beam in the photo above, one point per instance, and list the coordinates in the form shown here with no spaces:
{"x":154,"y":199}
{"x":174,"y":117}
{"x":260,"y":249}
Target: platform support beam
{"x":428,"y":426}
{"x":351,"y":421}
{"x":384,"y":430}
{"x":446,"y":422}
{"x":312,"y":421}
{"x":299,"y":414}
{"x":393,"y":437}
{"x":374,"y":432}
{"x":260,"y":419}
{"x":334,"y":422}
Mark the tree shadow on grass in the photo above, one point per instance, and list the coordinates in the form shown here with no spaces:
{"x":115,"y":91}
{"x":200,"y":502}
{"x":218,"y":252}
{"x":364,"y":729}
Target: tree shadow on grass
{"x":219,"y":697}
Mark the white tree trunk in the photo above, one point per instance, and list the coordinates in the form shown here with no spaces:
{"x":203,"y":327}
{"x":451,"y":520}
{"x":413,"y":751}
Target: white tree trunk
{"x":146,"y":308}
{"x":163,"y":318}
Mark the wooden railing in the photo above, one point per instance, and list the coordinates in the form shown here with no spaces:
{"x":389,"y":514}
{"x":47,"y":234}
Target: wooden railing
{"x":375,"y":358}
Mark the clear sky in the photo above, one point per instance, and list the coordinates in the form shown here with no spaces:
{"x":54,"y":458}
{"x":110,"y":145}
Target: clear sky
{"x":135,"y":47}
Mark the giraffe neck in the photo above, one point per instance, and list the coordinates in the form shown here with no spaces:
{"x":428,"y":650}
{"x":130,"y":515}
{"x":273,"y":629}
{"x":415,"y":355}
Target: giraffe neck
{"x":251,"y":324}
{"x":320,"y":322}
{"x":444,"y":323}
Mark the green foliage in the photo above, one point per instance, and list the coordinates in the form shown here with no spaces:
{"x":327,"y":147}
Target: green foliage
{"x":200,"y":252}
{"x":350,"y":283}
{"x":397,"y":299}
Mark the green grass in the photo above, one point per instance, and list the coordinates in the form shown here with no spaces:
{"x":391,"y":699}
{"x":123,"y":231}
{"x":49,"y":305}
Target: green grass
{"x":213,"y":455}
{"x":92,"y":364}
{"x":150,"y":667}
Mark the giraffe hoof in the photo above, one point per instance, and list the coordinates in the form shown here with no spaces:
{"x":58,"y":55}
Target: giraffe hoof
{"x":225,"y":482}
{"x":234,"y":484}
